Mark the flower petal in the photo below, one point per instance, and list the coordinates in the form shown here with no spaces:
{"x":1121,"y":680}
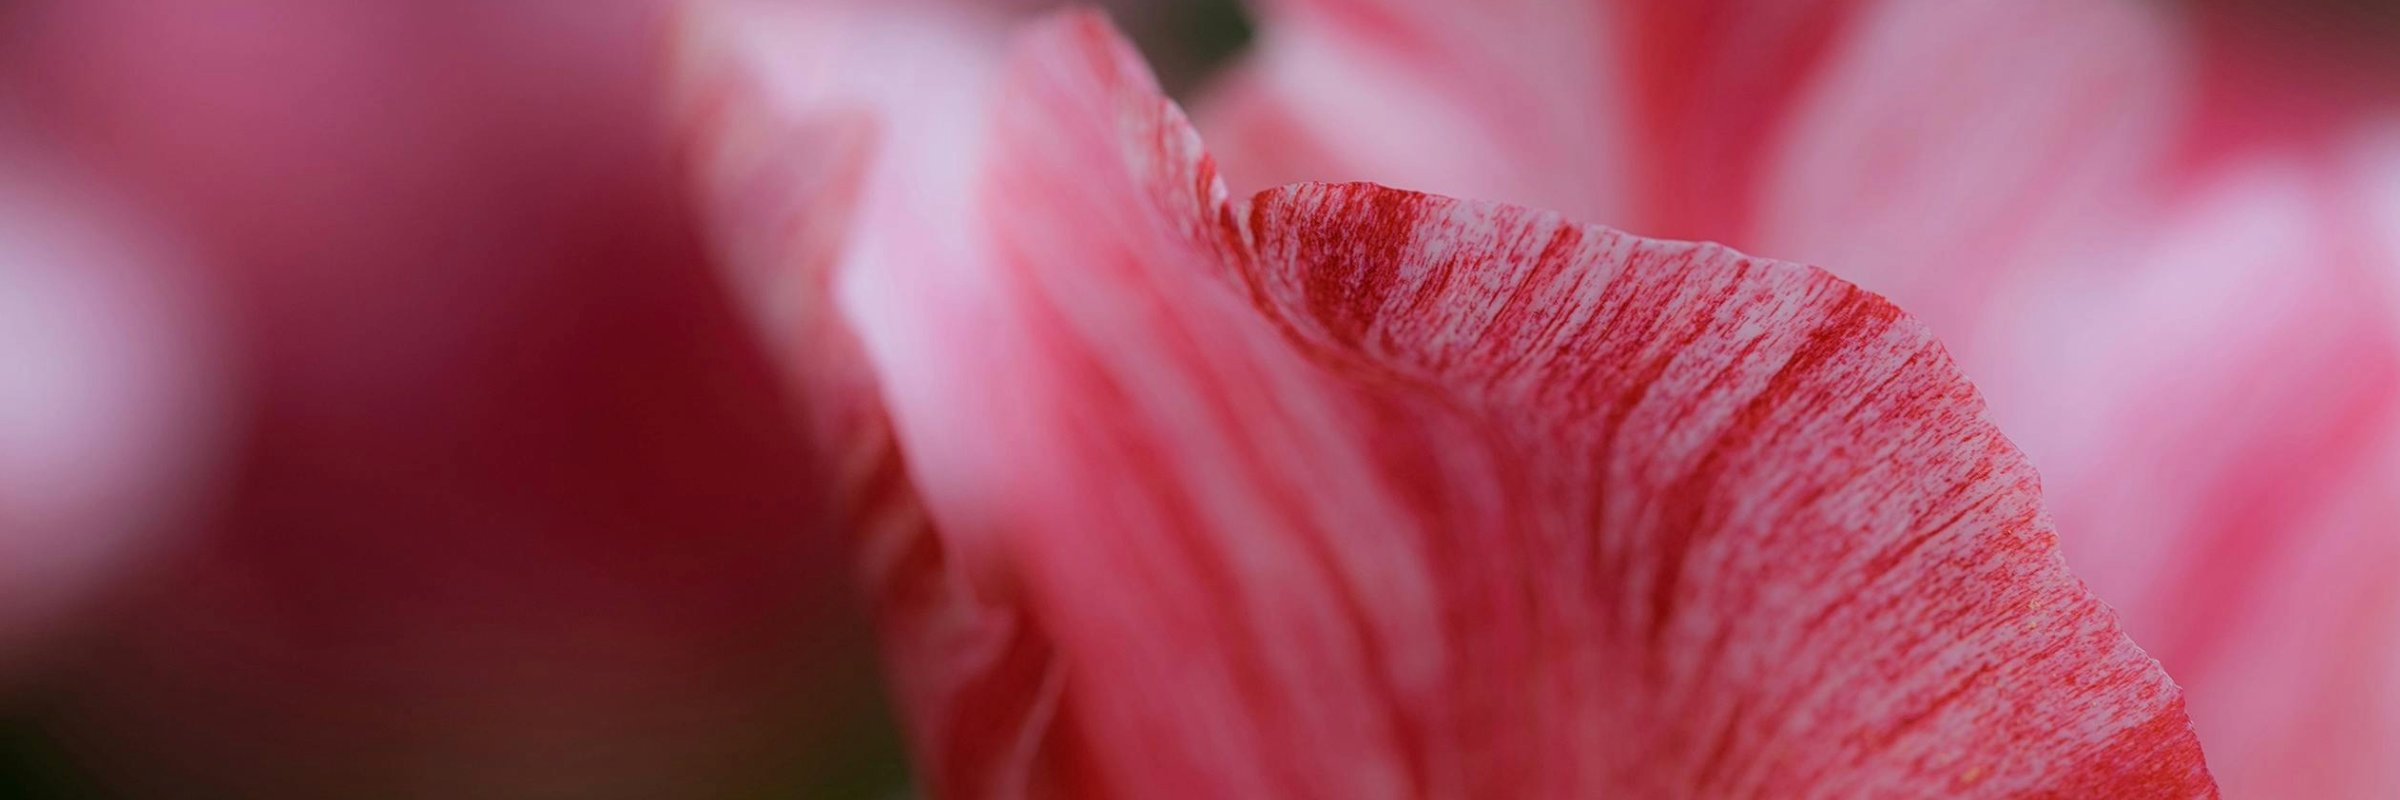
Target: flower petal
{"x":782,"y":142}
{"x":2290,"y":642}
{"x":1359,"y":492}
{"x":1876,"y":137}
{"x":2121,"y":220}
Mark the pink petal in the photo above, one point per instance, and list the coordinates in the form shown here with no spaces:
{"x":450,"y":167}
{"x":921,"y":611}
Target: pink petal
{"x":2123,"y":219}
{"x":782,"y":167}
{"x":1874,"y":137}
{"x":2301,"y":657}
{"x":1359,"y":492}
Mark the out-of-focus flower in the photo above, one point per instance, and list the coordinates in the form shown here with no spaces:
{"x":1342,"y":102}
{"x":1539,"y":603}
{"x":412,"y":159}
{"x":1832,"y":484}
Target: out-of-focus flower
{"x":110,"y":406}
{"x":518,"y":510}
{"x":2147,"y":232}
{"x":1351,"y":491}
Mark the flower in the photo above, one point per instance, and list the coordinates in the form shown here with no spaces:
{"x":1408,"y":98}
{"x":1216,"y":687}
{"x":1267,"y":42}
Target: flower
{"x":2156,"y":236}
{"x":1343,"y":490}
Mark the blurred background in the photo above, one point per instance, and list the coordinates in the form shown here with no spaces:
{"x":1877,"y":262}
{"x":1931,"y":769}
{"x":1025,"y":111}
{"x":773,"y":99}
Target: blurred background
{"x":373,"y":423}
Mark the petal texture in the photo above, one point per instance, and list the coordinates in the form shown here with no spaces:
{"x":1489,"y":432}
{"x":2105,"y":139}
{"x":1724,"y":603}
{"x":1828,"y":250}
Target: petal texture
{"x":1880,"y":137}
{"x":976,"y":678}
{"x":2133,"y":229}
{"x":1349,"y":491}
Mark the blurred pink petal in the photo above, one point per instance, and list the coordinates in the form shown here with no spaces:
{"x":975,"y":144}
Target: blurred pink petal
{"x":522,"y":511}
{"x":109,"y":406}
{"x":1647,"y":517}
{"x":765,"y":84}
{"x":1930,"y":132}
{"x":2132,"y":224}
{"x":2318,"y":649}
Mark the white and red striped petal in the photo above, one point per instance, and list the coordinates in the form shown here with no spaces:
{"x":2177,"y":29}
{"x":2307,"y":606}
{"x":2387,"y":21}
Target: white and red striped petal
{"x":1351,"y":491}
{"x":1874,"y":136}
{"x":806,"y":124}
{"x":2130,"y":223}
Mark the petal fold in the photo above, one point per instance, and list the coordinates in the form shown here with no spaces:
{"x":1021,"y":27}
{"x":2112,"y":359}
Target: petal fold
{"x":2130,"y":221}
{"x":1351,"y":491}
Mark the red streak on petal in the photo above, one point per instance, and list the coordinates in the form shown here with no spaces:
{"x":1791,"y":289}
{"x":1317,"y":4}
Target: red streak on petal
{"x":1362,"y":492}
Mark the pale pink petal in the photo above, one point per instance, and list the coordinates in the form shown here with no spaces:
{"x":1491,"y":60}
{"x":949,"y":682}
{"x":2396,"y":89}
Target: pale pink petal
{"x":1486,"y":86}
{"x":784,"y":153}
{"x":2212,"y":401}
{"x":1988,"y":138}
{"x":2303,"y":681}
{"x":2123,"y":218}
{"x":1875,"y":136}
{"x":1359,"y":492}
{"x":2293,"y":721}
{"x":2196,"y":348}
